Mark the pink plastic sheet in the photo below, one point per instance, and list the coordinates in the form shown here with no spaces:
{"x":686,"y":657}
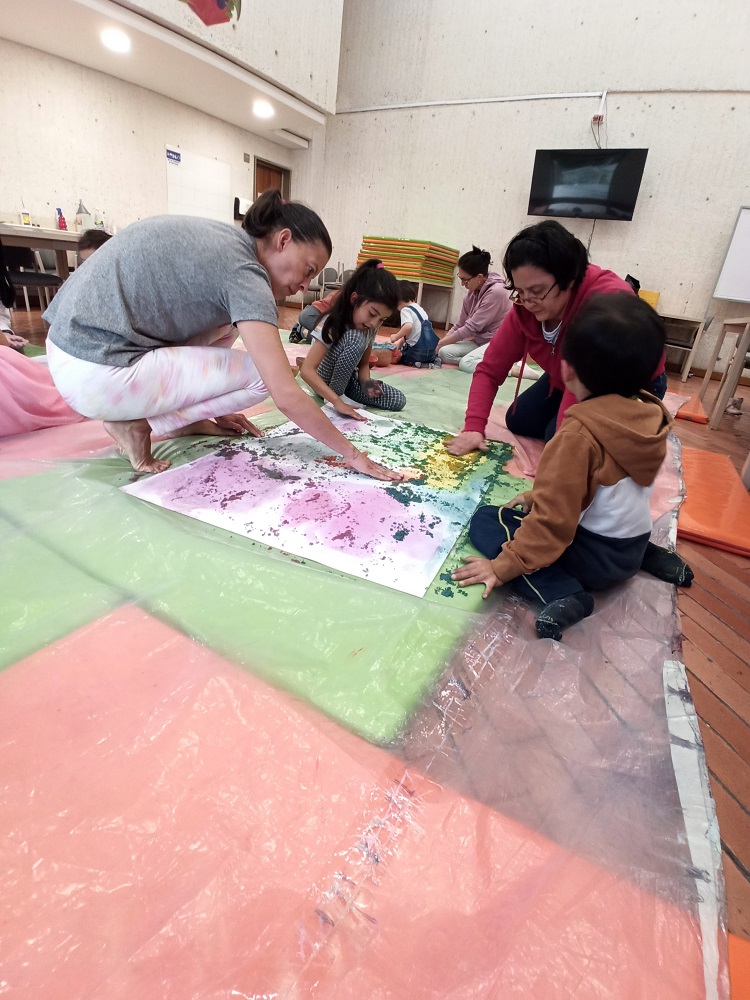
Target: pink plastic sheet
{"x":202,"y":836}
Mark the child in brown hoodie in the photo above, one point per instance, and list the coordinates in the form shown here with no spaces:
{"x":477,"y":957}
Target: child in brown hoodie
{"x":586,"y":524}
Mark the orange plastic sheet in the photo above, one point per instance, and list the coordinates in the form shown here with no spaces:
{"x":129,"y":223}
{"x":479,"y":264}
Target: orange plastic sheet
{"x":739,"y":967}
{"x":716,"y":510}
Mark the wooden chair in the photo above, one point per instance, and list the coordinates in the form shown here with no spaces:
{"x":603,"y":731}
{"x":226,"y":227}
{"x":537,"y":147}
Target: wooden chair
{"x":25,"y":272}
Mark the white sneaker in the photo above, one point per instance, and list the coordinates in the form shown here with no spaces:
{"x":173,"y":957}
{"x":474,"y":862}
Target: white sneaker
{"x":734,"y":407}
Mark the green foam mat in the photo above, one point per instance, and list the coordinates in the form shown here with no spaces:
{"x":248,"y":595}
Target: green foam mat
{"x":45,"y":595}
{"x":364,"y":654}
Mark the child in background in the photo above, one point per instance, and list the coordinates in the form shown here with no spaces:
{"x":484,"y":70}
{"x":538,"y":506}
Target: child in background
{"x":310,"y":317}
{"x":337,"y":366}
{"x":586,"y":524}
{"x":416,"y":338}
{"x":91,"y":240}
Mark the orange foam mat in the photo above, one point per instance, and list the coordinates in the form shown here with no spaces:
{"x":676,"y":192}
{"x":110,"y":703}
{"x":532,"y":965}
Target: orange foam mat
{"x":739,"y":967}
{"x":716,"y":510}
{"x":693,"y":410}
{"x":174,"y":828}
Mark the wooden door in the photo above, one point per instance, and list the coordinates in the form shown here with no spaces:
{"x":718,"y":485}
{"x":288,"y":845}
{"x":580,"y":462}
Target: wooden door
{"x":268,"y":177}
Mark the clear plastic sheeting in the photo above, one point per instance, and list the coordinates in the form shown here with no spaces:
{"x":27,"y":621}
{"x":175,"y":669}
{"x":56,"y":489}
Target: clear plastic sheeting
{"x":226,"y":773}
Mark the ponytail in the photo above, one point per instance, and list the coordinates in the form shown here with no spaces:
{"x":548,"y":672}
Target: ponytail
{"x":475,"y":262}
{"x":369,"y":283}
{"x":7,"y":291}
{"x":269,"y":213}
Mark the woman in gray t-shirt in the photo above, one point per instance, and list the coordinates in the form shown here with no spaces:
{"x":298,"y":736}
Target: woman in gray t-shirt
{"x":139,"y":333}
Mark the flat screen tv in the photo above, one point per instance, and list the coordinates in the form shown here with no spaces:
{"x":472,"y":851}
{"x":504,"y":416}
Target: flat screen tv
{"x":586,"y":183}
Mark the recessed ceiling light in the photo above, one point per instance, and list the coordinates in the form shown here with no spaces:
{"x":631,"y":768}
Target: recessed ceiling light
{"x":115,"y":40}
{"x":262,"y":109}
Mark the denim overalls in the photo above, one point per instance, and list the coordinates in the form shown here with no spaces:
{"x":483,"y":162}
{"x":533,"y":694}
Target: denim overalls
{"x":425,"y":348}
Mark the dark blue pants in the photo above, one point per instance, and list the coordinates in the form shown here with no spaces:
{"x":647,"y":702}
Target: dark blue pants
{"x":425,"y":355}
{"x":534,"y":413}
{"x":591,"y":562}
{"x":491,"y":527}
{"x":659,"y":386}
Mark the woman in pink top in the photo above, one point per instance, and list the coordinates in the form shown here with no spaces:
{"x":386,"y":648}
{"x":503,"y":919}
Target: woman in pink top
{"x":484,"y":308}
{"x":551,"y":278}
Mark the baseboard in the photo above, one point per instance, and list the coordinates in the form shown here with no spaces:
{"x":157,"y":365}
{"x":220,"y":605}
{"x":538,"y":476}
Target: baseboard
{"x":701,"y":373}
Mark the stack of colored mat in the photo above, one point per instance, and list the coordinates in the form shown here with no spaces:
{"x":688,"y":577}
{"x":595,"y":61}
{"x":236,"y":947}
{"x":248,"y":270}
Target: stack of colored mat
{"x":415,"y":260}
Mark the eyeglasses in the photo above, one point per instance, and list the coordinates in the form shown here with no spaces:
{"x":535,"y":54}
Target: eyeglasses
{"x":465,"y":281}
{"x":516,"y":296}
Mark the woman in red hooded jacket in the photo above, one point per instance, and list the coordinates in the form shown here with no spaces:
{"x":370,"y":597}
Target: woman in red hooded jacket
{"x":550,"y":276}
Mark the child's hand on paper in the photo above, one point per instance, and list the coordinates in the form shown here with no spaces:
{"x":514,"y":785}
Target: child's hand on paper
{"x":522,"y":500}
{"x":348,"y":411}
{"x":476,"y":570}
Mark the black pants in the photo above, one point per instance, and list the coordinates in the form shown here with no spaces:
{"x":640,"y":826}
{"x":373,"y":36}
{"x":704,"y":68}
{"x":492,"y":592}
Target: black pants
{"x":534,"y":413}
{"x":590,"y":562}
{"x":658,"y":387}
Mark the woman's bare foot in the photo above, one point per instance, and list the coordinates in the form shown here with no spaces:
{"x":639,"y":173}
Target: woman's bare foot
{"x":230,"y":423}
{"x":133,"y":437}
{"x":200,"y":428}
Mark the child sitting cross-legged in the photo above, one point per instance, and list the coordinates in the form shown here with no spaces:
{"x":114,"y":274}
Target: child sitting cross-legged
{"x":416,"y":338}
{"x":337,"y":366}
{"x":586,"y":524}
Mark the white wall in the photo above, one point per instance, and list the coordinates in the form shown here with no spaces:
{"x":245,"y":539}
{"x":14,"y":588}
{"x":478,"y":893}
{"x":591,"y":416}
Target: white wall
{"x":73,"y":133}
{"x":461,"y":174}
{"x":292,"y":43}
{"x":393,"y":51}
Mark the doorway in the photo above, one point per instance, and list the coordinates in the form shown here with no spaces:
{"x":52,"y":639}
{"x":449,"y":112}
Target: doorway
{"x":269,"y":176}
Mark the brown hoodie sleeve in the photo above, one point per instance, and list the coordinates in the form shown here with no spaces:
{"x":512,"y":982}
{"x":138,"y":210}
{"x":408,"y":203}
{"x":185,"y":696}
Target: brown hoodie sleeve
{"x":563,"y":488}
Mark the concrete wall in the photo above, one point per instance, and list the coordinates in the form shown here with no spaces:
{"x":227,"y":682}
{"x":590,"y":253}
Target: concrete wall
{"x":74,"y":133}
{"x":293,"y":44}
{"x":678,"y":81}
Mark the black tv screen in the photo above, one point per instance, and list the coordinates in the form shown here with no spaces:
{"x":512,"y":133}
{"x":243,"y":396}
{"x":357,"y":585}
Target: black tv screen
{"x":586,"y":183}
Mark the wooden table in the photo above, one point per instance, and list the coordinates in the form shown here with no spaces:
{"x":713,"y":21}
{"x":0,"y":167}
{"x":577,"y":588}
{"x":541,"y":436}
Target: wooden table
{"x":59,"y":240}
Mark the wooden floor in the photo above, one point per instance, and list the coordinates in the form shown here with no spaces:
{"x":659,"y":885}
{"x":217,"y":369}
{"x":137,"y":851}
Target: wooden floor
{"x":716,"y":624}
{"x":715,"y":615}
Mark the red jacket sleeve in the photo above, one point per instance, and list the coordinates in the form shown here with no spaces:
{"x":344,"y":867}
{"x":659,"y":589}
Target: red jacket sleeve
{"x":505,"y":348}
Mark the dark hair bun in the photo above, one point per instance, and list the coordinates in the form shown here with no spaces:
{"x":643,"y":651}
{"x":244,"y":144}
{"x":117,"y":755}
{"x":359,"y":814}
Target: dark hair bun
{"x":476,"y":261}
{"x":269,"y":213}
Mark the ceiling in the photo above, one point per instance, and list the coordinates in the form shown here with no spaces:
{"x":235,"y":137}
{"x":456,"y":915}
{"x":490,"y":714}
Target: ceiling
{"x":159,"y":60}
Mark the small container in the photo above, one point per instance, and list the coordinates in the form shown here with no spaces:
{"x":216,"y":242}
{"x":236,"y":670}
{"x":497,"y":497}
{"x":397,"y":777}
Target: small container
{"x":84,"y":219}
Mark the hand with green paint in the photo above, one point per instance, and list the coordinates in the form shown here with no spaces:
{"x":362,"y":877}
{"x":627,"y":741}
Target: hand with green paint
{"x":465,"y":442}
{"x":373,"y":387}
